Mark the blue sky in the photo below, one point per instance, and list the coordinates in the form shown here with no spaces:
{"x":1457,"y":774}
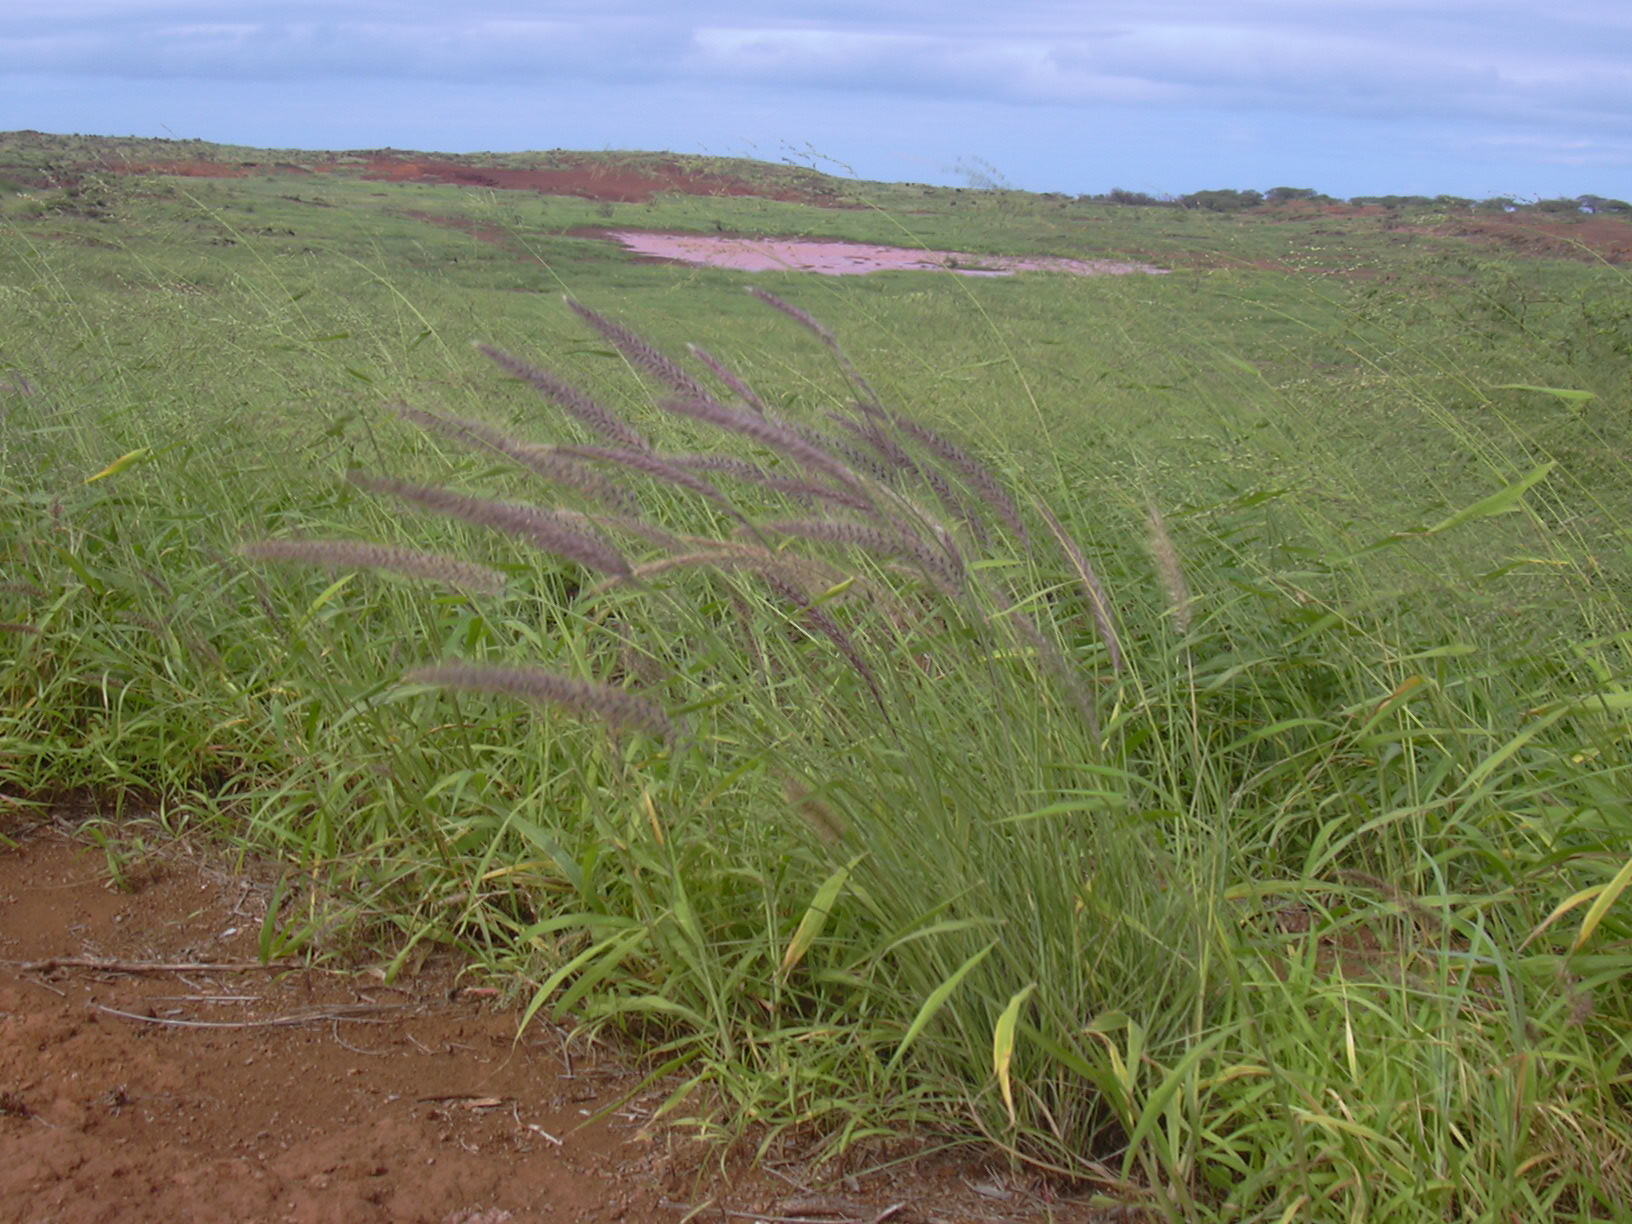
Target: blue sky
{"x":1472,"y":97}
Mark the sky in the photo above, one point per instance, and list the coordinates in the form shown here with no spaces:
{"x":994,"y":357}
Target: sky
{"x":1527,"y":98}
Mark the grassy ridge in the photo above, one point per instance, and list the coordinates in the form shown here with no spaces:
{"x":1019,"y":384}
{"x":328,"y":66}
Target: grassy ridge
{"x":1271,"y":941}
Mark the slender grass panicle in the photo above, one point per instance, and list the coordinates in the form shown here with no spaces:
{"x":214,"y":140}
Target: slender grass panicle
{"x":881,"y":444}
{"x":729,"y":377}
{"x":355,"y":554}
{"x":730,"y":465}
{"x":544,"y":529}
{"x":611,"y":705}
{"x":829,"y":628}
{"x":898,"y":464}
{"x":808,"y":491}
{"x":978,"y":475}
{"x":1098,"y":604}
{"x":545,"y":461}
{"x":767,"y":433}
{"x":642,"y":355}
{"x":800,"y":490}
{"x":826,"y":823}
{"x":859,"y":458}
{"x":1168,"y":568}
{"x":586,"y":411}
{"x":821,"y":332}
{"x":878,"y":541}
{"x":635,"y":528}
{"x":804,"y":570}
{"x":657,"y":466}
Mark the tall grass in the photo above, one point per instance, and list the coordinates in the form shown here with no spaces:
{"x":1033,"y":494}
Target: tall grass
{"x":1207,"y":920}
{"x":1244,"y":860}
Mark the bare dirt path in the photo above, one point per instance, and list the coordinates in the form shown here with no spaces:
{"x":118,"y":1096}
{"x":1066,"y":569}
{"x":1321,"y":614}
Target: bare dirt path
{"x":151,"y":1070}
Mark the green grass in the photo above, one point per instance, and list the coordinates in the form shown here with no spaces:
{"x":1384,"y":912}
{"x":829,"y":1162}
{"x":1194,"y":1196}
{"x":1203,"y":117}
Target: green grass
{"x":1323,"y":920}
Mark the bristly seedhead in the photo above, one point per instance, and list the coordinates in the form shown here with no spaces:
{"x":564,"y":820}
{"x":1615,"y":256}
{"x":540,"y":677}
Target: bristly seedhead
{"x":829,"y":628}
{"x":357,"y":554}
{"x":543,"y":529}
{"x":656,"y":466}
{"x":866,"y":475}
{"x":1092,"y":588}
{"x":591,"y":414}
{"x":640,"y":354}
{"x":943,"y":570}
{"x":1169,"y":569}
{"x":810,"y":324}
{"x":545,"y":461}
{"x":805,"y":572}
{"x":976,"y":473}
{"x":613,"y":706}
{"x":826,"y":823}
{"x":768,"y":433}
{"x":729,"y":377}
{"x":728,"y":465}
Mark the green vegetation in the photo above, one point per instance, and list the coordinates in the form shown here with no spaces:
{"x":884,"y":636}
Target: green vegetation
{"x":1311,"y":909}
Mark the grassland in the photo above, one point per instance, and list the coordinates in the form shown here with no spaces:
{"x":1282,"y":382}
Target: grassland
{"x":1315,"y":913}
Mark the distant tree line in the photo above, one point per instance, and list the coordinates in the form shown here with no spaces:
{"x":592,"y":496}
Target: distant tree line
{"x":1228,"y":200}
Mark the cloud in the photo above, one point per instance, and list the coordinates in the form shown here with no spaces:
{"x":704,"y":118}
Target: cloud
{"x":1379,"y":58}
{"x":1235,"y":82}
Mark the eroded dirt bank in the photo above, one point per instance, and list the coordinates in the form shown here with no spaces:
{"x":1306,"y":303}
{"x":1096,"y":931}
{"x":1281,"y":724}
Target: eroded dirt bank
{"x":151,"y":1070}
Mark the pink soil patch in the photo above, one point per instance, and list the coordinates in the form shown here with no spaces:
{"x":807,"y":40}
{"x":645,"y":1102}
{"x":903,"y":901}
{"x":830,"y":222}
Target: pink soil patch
{"x":832,"y":257}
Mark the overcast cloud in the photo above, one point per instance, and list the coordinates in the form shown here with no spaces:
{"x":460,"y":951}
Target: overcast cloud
{"x":1350,"y":96}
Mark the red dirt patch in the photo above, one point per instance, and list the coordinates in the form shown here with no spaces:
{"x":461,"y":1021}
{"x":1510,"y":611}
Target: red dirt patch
{"x":207,"y":1094}
{"x":189,"y":169}
{"x":1589,"y":238}
{"x":602,"y":181}
{"x":217,"y":1090}
{"x":590,"y":180}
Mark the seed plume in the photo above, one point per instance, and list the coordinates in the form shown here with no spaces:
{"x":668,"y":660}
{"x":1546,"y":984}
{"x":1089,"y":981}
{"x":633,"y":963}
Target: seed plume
{"x":356,"y":554}
{"x":978,"y":475}
{"x":1098,"y":604}
{"x":545,"y":461}
{"x":816,"y":329}
{"x":614,"y":706}
{"x":829,"y":628}
{"x":729,"y":377}
{"x":1169,"y":569}
{"x":543,"y":529}
{"x":587,"y":411}
{"x":767,"y":433}
{"x":641,"y":355}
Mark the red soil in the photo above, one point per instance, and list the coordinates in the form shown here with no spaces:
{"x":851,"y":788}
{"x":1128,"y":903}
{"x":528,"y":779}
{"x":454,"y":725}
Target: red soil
{"x":591,"y":180}
{"x":185,"y":169}
{"x":1590,"y":238}
{"x":217,"y":1090}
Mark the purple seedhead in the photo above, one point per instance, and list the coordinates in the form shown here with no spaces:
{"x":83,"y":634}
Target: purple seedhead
{"x":545,"y":461}
{"x":357,"y":554}
{"x":592,"y":415}
{"x":640,"y":354}
{"x":729,"y":377}
{"x":545,"y":530}
{"x":614,"y":706}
